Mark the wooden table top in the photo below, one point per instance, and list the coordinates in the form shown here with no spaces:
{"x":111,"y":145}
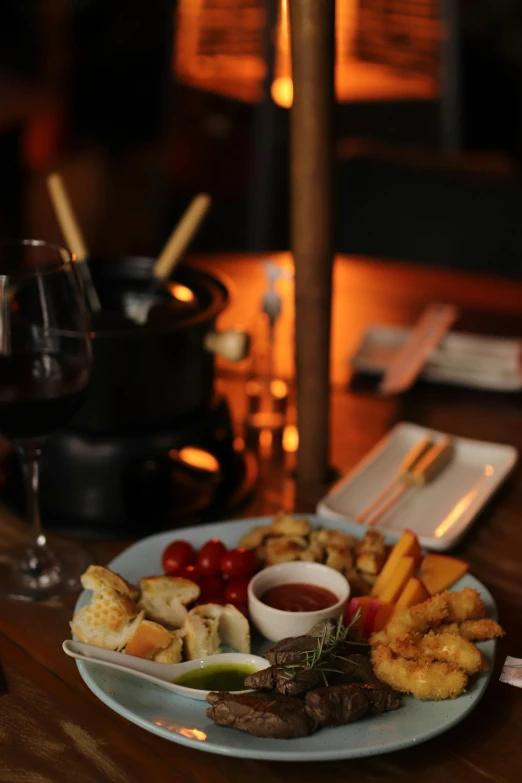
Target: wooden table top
{"x":52,"y":729}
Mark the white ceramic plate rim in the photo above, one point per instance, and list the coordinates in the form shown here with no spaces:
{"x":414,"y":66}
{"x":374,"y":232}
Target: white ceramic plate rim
{"x":450,"y":539}
{"x":221,"y":748}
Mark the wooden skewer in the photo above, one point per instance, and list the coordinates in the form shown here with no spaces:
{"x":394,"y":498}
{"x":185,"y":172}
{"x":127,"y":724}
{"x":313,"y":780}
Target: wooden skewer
{"x":404,"y":474}
{"x":66,"y":217}
{"x":181,"y":236}
{"x":73,"y":235}
{"x":428,"y":468}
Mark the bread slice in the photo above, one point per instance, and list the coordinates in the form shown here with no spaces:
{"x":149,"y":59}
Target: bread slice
{"x":164,"y":598}
{"x":202,"y":631}
{"x":234,"y":629}
{"x":108,"y":621}
{"x":155,"y":643}
{"x":210,"y":625}
{"x":97,"y":577}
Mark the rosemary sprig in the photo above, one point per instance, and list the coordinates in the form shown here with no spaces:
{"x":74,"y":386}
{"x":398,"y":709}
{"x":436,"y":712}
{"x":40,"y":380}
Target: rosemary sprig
{"x":326,"y":649}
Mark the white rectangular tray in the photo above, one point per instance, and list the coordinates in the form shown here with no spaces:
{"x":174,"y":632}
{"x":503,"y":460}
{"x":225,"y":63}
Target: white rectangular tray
{"x":439,"y":513}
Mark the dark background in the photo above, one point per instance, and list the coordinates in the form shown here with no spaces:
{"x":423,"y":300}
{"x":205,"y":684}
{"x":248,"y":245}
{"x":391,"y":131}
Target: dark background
{"x":87,"y":88}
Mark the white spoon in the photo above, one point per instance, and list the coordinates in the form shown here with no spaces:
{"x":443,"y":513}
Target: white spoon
{"x":159,"y":673}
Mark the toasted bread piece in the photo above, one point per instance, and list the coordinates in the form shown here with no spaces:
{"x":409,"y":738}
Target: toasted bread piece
{"x":339,"y":557}
{"x":202,"y":634}
{"x":164,"y":598}
{"x":108,"y":621}
{"x":234,"y":629}
{"x":332,"y":537}
{"x":172,"y":653}
{"x":210,"y":625}
{"x":287,"y":525}
{"x":97,"y":577}
{"x":284,"y":549}
{"x":372,"y":553}
{"x":155,"y":643}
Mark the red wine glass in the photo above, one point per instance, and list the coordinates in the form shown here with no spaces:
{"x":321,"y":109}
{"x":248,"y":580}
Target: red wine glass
{"x":45,"y":365}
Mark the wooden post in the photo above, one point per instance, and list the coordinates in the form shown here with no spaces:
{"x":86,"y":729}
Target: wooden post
{"x":312,"y":30}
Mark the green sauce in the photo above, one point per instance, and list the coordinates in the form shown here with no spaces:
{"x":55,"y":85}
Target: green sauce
{"x":217,"y":677}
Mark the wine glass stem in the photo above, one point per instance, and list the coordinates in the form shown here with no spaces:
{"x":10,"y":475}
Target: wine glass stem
{"x":31,"y":459}
{"x":40,"y":567}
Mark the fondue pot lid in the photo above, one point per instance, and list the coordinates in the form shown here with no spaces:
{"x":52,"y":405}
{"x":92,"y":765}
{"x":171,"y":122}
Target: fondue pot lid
{"x":191,"y":297}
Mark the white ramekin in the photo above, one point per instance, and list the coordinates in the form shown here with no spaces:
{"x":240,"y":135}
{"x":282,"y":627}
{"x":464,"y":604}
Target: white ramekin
{"x":276,"y":624}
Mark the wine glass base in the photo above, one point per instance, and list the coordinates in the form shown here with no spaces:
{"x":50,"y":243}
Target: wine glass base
{"x":16,"y":583}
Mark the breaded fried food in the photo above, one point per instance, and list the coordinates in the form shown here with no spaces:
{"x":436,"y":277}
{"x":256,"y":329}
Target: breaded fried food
{"x":445,"y":647}
{"x":453,"y":628}
{"x":424,"y":680}
{"x":480,"y":630}
{"x":420,"y":618}
{"x":464,"y":605}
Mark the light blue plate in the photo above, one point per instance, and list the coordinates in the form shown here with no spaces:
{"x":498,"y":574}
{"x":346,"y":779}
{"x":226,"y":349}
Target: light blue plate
{"x":183,"y":720}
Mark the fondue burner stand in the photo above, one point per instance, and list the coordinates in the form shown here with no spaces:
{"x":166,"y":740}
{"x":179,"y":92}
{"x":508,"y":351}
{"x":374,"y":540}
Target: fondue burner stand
{"x":139,"y":484}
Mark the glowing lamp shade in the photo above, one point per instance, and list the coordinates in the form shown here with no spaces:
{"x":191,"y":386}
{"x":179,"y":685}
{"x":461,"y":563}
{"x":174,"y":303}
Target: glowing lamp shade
{"x":385,"y":49}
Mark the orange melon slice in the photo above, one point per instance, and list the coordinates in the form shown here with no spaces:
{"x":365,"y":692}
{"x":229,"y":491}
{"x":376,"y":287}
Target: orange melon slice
{"x":438,"y":572}
{"x":414,"y":593}
{"x":402,"y":572}
{"x":407,"y":546}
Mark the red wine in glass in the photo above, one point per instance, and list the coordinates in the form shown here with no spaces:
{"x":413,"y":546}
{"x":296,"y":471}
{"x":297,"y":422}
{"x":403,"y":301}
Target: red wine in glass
{"x":45,"y":365}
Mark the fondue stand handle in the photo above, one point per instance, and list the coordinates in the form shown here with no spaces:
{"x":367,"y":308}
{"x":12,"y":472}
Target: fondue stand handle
{"x":181,"y":236}
{"x":72,"y":234}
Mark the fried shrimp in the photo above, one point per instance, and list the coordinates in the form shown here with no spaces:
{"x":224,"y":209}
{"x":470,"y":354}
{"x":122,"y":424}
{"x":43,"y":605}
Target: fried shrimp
{"x":425,"y":680}
{"x":445,"y":647}
{"x":419,"y":618}
{"x":464,"y":605}
{"x":480,"y":630}
{"x":453,"y":628}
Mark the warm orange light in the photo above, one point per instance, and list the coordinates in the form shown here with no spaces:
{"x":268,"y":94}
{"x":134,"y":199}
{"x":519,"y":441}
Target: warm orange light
{"x":190,"y":733}
{"x":193,"y":734}
{"x":265,"y":443}
{"x":282,"y":91}
{"x":463,"y":504}
{"x":290,"y":438}
{"x":385,"y":49}
{"x":196,"y":458}
{"x":278,"y":389}
{"x":219,"y":47}
{"x":181,"y":292}
{"x":398,"y":57}
{"x":239,"y":444}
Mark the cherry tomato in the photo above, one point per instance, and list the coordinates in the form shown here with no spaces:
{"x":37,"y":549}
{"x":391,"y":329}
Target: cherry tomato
{"x":212,"y":586}
{"x":210,"y":556}
{"x":239,"y":562}
{"x":236,"y":591}
{"x":189,"y":572}
{"x":178,"y":555}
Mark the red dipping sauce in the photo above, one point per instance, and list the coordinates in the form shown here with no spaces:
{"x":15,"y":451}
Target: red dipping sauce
{"x":299,"y":597}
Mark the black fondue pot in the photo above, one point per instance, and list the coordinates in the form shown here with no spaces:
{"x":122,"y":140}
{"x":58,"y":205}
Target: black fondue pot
{"x":114,"y":465}
{"x":145,"y":377}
